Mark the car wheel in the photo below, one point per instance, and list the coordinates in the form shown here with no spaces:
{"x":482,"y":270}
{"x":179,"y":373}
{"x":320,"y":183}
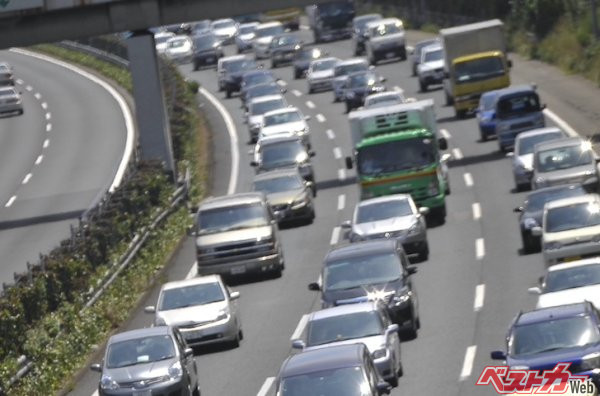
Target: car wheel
{"x":228,"y":94}
{"x":483,"y":135}
{"x":296,"y":74}
{"x":437,"y":216}
{"x":394,"y":380}
{"x":196,"y":391}
{"x":422,"y":86}
{"x":196,"y":66}
{"x":236,"y":341}
{"x":424,"y":253}
{"x":403,"y":53}
{"x":412,"y":332}
{"x":310,"y":89}
{"x":400,"y":370}
{"x":460,"y":114}
{"x":447,"y":191}
{"x":449,"y":99}
{"x":348,"y":107}
{"x":241,"y":334}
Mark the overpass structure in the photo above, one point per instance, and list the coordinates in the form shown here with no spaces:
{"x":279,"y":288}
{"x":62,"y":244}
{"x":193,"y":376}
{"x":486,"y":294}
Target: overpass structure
{"x":28,"y":22}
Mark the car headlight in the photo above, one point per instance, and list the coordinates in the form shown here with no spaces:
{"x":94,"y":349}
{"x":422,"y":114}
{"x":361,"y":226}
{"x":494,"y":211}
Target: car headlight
{"x":379,"y":353}
{"x":552,"y":246}
{"x":402,"y":296}
{"x":414,"y":229}
{"x":433,"y":188}
{"x":529,"y":223}
{"x":300,"y":202}
{"x":223,"y":314}
{"x":540,"y":182}
{"x":108,"y":383}
{"x":590,"y":361}
{"x":175,"y":371}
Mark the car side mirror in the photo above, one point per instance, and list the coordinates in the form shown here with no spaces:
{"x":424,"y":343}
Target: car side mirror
{"x":518,"y":209}
{"x":393,"y":328}
{"x":311,"y":153}
{"x":254,"y":163}
{"x":384,"y":388}
{"x":349,"y":163}
{"x":346,"y":224}
{"x":150,"y":309}
{"x":234,"y":295}
{"x":96,"y":367}
{"x":443,"y":143}
{"x":188,"y":352}
{"x":298,"y":344}
{"x":498,"y":355}
{"x":314,"y":286}
{"x":534,"y":290}
{"x":307,"y":118}
{"x":424,"y":210}
{"x":382,"y":79}
{"x":411,"y":269}
{"x":536,"y":231}
{"x":446,"y":74}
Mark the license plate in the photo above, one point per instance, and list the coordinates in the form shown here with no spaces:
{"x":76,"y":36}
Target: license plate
{"x":238,"y":270}
{"x":574,"y":258}
{"x":390,"y":55}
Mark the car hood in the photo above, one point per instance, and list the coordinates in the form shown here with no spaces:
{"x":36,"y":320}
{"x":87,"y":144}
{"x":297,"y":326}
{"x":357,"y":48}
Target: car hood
{"x":287,"y":127}
{"x":284,"y":197}
{"x":192,"y":315}
{"x":373,"y":343}
{"x":388,"y":38}
{"x":140,"y":372}
{"x":264,"y":40}
{"x":563,"y":175}
{"x":567,"y":237}
{"x":387,"y":225}
{"x":321,"y":74}
{"x":571,"y":296}
{"x":526,"y":160}
{"x":547,"y":360}
{"x":235,"y":236}
{"x":359,"y":293}
{"x":431,"y":65}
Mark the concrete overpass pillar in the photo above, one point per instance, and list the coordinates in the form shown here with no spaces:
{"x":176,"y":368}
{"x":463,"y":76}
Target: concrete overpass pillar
{"x":151,"y":112}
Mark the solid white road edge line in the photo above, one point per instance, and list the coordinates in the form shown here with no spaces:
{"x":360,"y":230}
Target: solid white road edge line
{"x":300,"y":327}
{"x":321,"y":118}
{"x":560,"y":122}
{"x":233,"y":139}
{"x":26,"y":178}
{"x":127,"y":114}
{"x":479,"y":297}
{"x":10,"y":201}
{"x":467,"y":368}
{"x":266,"y":386}
{"x":330,"y":134}
{"x":337,"y":152}
{"x":476,"y":211}
{"x":341,"y":201}
{"x":479,"y":248}
{"x":310,"y":104}
{"x":468,"y":179}
{"x":457,"y":154}
{"x":335,"y":236}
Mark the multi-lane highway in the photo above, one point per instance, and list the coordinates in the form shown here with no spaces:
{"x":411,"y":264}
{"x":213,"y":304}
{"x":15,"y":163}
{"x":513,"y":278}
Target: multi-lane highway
{"x":55,"y":160}
{"x":473,"y":284}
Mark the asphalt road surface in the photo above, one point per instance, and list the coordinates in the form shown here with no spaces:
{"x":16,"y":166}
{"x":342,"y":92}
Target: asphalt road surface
{"x":473,"y":284}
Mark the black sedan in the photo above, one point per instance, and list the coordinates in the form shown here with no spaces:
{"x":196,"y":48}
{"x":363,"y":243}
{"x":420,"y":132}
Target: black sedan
{"x":283,"y":49}
{"x":359,"y":85}
{"x":532,"y":211}
{"x":256,"y":91}
{"x":207,"y":50}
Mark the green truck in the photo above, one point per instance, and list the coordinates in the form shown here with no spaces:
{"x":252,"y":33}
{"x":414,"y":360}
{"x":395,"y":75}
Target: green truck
{"x":397,"y":150}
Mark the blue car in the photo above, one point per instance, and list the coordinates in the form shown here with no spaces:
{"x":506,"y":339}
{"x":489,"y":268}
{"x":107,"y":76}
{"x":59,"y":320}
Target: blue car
{"x":486,"y":115}
{"x":539,"y":339}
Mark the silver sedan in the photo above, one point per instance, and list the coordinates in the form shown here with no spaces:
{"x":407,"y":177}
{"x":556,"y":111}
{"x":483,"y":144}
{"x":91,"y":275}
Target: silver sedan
{"x":10,"y":101}
{"x":392,"y":216}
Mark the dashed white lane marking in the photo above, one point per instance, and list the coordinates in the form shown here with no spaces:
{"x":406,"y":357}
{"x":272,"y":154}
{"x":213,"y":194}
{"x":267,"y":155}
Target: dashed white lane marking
{"x":457,"y":154}
{"x":296,"y":93}
{"x":342,"y":174}
{"x":397,"y":88}
{"x":310,"y":104}
{"x":26,"y":179}
{"x":10,"y":201}
{"x":335,"y":236}
{"x":48,"y":127}
{"x":445,"y":133}
{"x":48,"y":116}
{"x":264,"y":389}
{"x":341,"y":201}
{"x":562,"y":124}
{"x":193,"y":272}
{"x":282,"y":83}
{"x":476,"y":211}
{"x":46,"y":143}
{"x":330,"y":134}
{"x":468,"y":179}
{"x":479,"y":297}
{"x":44,"y":105}
{"x":467,"y":368}
{"x":19,"y":81}
{"x":39,"y":159}
{"x":29,"y":88}
{"x":337,"y":152}
{"x":321,"y":118}
{"x":479,"y":248}
{"x":300,"y":327}
{"x":37,"y":95}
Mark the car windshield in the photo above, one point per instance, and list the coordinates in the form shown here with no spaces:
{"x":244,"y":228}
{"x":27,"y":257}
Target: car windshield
{"x":383,"y":210}
{"x":516,"y":106}
{"x":570,"y":217}
{"x":344,"y":70}
{"x":260,"y":108}
{"x":553,"y":335}
{"x":353,"y":272}
{"x":269,"y":31}
{"x":361,"y":24}
{"x":362,"y":80}
{"x":205,"y":42}
{"x":344,"y":327}
{"x":395,"y":156}
{"x":177,"y":43}
{"x":564,"y":158}
{"x":478,"y":69}
{"x":202,"y":25}
{"x":190,"y":296}
{"x":422,"y":44}
{"x":527,"y":144}
{"x":223,"y":24}
{"x":282,"y":153}
{"x":140,"y":351}
{"x":346,"y":381}
{"x":336,"y":8}
{"x":385,"y":29}
{"x":247,"y":29}
{"x":263,"y":90}
{"x":537,"y":200}
{"x":282,"y":118}
{"x":487,"y":102}
{"x":231,"y":218}
{"x":278,"y":184}
{"x":432,"y":56}
{"x":240,"y":65}
{"x":285,"y":40}
{"x":570,"y":278}
{"x":8,"y":92}
{"x":390,"y":98}
{"x":258,"y":78}
{"x":326,"y":64}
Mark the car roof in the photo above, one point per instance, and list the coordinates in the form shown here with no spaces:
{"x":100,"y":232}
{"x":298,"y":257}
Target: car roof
{"x":277,"y":173}
{"x":269,"y":24}
{"x":322,"y":359}
{"x":553,"y":313}
{"x":283,"y":111}
{"x":139,"y":333}
{"x":198,"y":280}
{"x":351,"y":61}
{"x":266,"y":98}
{"x":385,"y":198}
{"x":364,"y":248}
{"x":558,"y":143}
{"x":553,"y":188}
{"x":384,"y":21}
{"x":574,"y":264}
{"x":366,"y":16}
{"x":249,"y":24}
{"x":342,"y":310}
{"x":515,"y":90}
{"x":278,"y":138}
{"x":232,"y":200}
{"x":433,"y":47}
{"x":538,"y":131}
{"x":587,"y":198}
{"x":233,"y":58}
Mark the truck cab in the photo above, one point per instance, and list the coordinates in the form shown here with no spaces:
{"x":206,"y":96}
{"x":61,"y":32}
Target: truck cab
{"x":331,"y":21}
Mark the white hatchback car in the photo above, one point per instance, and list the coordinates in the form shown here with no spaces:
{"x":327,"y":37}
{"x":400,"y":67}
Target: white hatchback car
{"x":320,"y":74}
{"x":180,"y":49}
{"x":286,"y":120}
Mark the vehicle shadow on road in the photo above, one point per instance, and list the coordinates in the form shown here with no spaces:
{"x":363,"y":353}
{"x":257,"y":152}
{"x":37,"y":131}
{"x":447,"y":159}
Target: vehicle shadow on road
{"x":476,"y":159}
{"x":335,"y":183}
